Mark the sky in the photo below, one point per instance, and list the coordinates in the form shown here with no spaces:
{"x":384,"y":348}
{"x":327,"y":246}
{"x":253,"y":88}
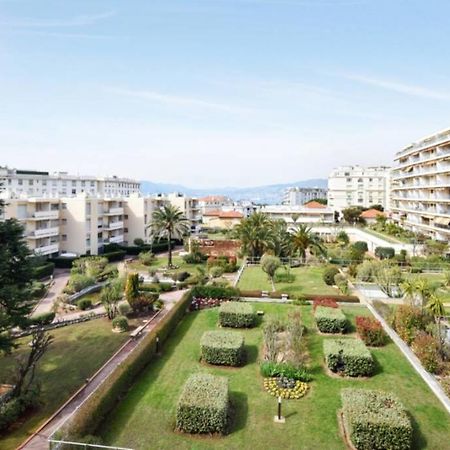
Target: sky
{"x":212,"y":93}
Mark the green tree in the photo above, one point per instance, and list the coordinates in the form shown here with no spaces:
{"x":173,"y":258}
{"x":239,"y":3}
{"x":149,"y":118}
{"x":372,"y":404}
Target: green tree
{"x":342,"y":238}
{"x":352,"y":215}
{"x":132,"y":287}
{"x":269,"y":265}
{"x":111,"y":296}
{"x":304,"y":239}
{"x":280,"y":239}
{"x":436,"y":307}
{"x":15,"y":281}
{"x":169,"y":222}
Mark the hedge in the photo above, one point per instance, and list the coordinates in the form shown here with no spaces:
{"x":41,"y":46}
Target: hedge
{"x":348,"y":356}
{"x":158,"y":247}
{"x":203,"y":405}
{"x":97,"y":407}
{"x":227,"y":293}
{"x":330,"y":320}
{"x":62,"y":262}
{"x":43,"y":271}
{"x":370,"y":331}
{"x":225,"y":348}
{"x":277,"y":294}
{"x":236,"y":315}
{"x":376,"y":420}
{"x":118,"y":255}
{"x":42,"y":319}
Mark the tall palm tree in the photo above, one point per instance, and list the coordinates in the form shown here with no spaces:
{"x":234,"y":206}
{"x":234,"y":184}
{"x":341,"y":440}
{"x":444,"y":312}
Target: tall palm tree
{"x":304,"y":239}
{"x":280,"y":239}
{"x":436,"y":307}
{"x":409,"y":290}
{"x":168,"y":222}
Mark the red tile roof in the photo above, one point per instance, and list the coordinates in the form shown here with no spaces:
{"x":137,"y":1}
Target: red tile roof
{"x":213,"y":198}
{"x":230,"y":215}
{"x":371,"y":214}
{"x":314,"y":204}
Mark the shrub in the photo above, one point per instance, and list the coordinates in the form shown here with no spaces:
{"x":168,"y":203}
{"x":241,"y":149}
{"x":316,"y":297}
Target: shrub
{"x":181,"y":276}
{"x":222,"y":348}
{"x":115,"y":256}
{"x":63,"y":262}
{"x":341,"y":282}
{"x":328,"y":275}
{"x":124,"y":309}
{"x":84,"y":303}
{"x":146,"y":258}
{"x":43,"y":319}
{"x":204,"y":404}
{"x":330,"y":320}
{"x":236,"y":315}
{"x":78,"y":282}
{"x":120,"y":323}
{"x":348,"y":356}
{"x":370,"y":331}
{"x":361,"y":246}
{"x":426,"y":349}
{"x":195,"y":258}
{"x":226,"y":293}
{"x":384,"y":252}
{"x":138,"y":242}
{"x":325,"y":302}
{"x":216,"y":271}
{"x":13,"y":409}
{"x":44,"y":270}
{"x":408,"y":320}
{"x":37,"y":289}
{"x":270,"y":369}
{"x":376,"y":420}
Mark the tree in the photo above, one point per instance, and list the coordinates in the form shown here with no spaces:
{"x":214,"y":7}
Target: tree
{"x":436,"y":307}
{"x":15,"y":281}
{"x":280,"y":239}
{"x":255,"y":233}
{"x":388,"y":277}
{"x":269,"y":265}
{"x":342,"y":238}
{"x":132,"y":287}
{"x":304,"y":239}
{"x":169,"y":222}
{"x":378,"y":207}
{"x":433,"y":247}
{"x":138,"y":242}
{"x":111,"y":296}
{"x":352,"y":215}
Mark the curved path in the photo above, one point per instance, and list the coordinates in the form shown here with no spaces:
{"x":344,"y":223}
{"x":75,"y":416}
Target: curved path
{"x":39,"y":440}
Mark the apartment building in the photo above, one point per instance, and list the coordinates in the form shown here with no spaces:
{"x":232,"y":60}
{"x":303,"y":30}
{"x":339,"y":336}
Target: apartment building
{"x":421,"y":186}
{"x":61,"y":184}
{"x":214,"y":202}
{"x":295,"y":196}
{"x":311,"y":213}
{"x":189,"y":206}
{"x":359,"y":186}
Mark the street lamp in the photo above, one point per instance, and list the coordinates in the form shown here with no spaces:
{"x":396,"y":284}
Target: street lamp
{"x":279,"y":418}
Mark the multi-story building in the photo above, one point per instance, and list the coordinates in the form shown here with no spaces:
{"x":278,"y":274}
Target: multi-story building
{"x":421,"y":186}
{"x":311,"y":213}
{"x":44,"y":184}
{"x":214,"y":202}
{"x":359,"y":186}
{"x":295,"y":196}
{"x":189,"y":206}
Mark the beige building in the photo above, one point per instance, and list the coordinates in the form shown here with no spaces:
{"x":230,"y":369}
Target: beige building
{"x":214,"y":203}
{"x":311,"y":213}
{"x":224,"y":220}
{"x":421,"y":186}
{"x":189,"y":206}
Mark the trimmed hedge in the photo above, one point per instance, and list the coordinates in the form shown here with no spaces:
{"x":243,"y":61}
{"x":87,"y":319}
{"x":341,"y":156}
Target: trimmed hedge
{"x":62,"y":262}
{"x":348,"y":356}
{"x":118,"y":255}
{"x":43,"y":271}
{"x":330,"y":320}
{"x":225,"y":348}
{"x":227,"y":293}
{"x":204,"y":404}
{"x":277,"y":294}
{"x":97,"y":407}
{"x":376,"y":420}
{"x":42,"y":319}
{"x":236,"y":315}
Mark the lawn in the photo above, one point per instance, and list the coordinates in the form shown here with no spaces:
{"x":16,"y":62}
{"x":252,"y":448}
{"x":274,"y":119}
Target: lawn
{"x":308,"y":280}
{"x":436,"y":279}
{"x":75,"y":354}
{"x":161,"y":262}
{"x":146,"y":416}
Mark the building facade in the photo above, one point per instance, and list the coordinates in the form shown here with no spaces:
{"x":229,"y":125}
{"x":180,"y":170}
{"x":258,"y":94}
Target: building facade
{"x":296,"y":196}
{"x":359,"y":186}
{"x":311,"y":213}
{"x":190,"y":208}
{"x":421,"y":186}
{"x":213,"y":202}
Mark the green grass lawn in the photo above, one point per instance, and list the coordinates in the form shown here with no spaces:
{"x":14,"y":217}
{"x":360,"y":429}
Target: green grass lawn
{"x":436,"y":279}
{"x":146,"y":416}
{"x":75,"y":354}
{"x":308,"y":280}
{"x":161,"y":262}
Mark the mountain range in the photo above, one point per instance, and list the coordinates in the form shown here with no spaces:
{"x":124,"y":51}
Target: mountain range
{"x":267,"y":194}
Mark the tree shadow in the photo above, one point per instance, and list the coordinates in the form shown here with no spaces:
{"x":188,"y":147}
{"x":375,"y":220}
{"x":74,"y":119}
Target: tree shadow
{"x":378,"y":368}
{"x":251,"y":354}
{"x":418,"y":439}
{"x":238,"y":411}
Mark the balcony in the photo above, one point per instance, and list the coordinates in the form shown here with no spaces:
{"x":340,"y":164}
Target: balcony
{"x":114,"y":212}
{"x":47,"y":249}
{"x":45,"y":215}
{"x":116,"y":239}
{"x":44,"y":232}
{"x":113,"y":226}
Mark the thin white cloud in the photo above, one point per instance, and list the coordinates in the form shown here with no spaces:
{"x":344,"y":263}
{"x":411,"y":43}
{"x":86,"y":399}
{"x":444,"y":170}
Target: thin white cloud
{"x":401,"y":88}
{"x":78,"y":21}
{"x":66,"y":35}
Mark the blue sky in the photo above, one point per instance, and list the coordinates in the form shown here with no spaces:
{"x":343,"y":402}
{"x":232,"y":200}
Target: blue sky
{"x":219,"y":92}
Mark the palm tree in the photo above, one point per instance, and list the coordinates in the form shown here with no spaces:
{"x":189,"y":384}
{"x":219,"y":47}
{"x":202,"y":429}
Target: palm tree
{"x":436,"y":307}
{"x":409,"y":289}
{"x":280,"y":239}
{"x":304,"y":239}
{"x":168,"y":222}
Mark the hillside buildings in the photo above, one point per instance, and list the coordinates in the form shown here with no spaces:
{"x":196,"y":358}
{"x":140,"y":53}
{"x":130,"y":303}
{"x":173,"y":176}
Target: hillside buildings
{"x":359,"y":186}
{"x":297,"y":196}
{"x":421,"y":186}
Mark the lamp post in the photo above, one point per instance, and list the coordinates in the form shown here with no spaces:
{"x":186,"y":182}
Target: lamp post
{"x":279,"y":418}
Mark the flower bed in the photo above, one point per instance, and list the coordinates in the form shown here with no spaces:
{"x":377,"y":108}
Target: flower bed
{"x":203,"y":405}
{"x":326,"y":302}
{"x":330,"y":320}
{"x":286,"y":388}
{"x":237,"y":315}
{"x":222,"y":348}
{"x":375,"y":420}
{"x":348,"y":356}
{"x":203,"y":303}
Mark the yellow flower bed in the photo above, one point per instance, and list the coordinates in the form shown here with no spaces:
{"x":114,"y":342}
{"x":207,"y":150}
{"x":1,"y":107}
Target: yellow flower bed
{"x":271,"y":386}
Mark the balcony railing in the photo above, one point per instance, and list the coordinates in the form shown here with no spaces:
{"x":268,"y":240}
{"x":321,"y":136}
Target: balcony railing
{"x":114,"y":212}
{"x":44,"y":232}
{"x":47,"y":249}
{"x":116,"y":239}
{"x":113,"y":226}
{"x":45,"y":214}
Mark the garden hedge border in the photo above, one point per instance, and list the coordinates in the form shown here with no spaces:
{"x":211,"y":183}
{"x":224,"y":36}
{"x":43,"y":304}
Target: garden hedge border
{"x":95,"y":409}
{"x":223,"y":348}
{"x":277,"y":294}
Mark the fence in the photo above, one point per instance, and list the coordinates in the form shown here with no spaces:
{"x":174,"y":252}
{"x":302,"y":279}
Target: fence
{"x":239,"y":274}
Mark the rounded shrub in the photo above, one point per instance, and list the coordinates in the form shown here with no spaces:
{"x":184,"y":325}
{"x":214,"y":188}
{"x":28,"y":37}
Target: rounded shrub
{"x":120,"y":323}
{"x":124,"y":309}
{"x":329,"y":274}
{"x":84,"y":303}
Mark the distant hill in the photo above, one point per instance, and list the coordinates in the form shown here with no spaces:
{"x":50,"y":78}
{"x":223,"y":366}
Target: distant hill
{"x":272,"y":193}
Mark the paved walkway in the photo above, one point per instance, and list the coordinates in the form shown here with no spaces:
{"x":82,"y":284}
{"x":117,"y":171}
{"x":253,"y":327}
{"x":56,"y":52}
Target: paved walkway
{"x":39,"y":441}
{"x":45,"y":305}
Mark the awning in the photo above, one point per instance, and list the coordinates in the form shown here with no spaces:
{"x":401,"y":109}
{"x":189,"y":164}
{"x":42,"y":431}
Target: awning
{"x":442,"y":221}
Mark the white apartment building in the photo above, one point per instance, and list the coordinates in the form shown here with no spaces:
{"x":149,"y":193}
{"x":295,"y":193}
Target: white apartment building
{"x":421,"y":186}
{"x":43,"y":184}
{"x":214,"y":202}
{"x":359,"y":186}
{"x":312,"y":213}
{"x":295,"y":196}
{"x":189,"y":206}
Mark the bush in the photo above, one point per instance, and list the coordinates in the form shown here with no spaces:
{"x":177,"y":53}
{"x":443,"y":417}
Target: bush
{"x":270,"y":369}
{"x":120,"y":323}
{"x":330,"y":320}
{"x":84,"y":303}
{"x":325,"y":302}
{"x":43,"y":271}
{"x":361,"y":246}
{"x":38,"y":289}
{"x":328,"y":275}
{"x":426,"y":349}
{"x":195,"y":258}
{"x":348,"y":356}
{"x":216,"y":271}
{"x":408,"y":320}
{"x":225,"y":293}
{"x":204,"y":405}
{"x":138,"y":242}
{"x":124,"y":309}
{"x":42,"y":319}
{"x":78,"y":282}
{"x":146,"y":258}
{"x":236,"y":315}
{"x":13,"y":409}
{"x":115,"y":256}
{"x":181,"y":276}
{"x":370,"y":331}
{"x":222,"y":348}
{"x":376,"y":420}
{"x":62,"y":262}
{"x":384,"y":252}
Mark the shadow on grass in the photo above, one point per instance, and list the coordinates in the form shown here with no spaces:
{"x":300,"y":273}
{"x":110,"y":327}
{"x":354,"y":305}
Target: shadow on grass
{"x":238,"y":412}
{"x":378,"y":368}
{"x":251,"y":354}
{"x":418,"y":439}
